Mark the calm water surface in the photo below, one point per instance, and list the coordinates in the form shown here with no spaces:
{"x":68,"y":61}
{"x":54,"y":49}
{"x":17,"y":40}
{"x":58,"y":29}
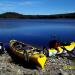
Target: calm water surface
{"x":37,"y":32}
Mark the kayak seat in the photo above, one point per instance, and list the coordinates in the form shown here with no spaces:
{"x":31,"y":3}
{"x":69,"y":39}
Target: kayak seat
{"x":20,"y":51}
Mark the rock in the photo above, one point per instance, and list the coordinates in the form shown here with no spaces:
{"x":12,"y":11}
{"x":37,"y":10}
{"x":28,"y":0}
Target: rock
{"x":53,"y":66}
{"x":63,"y":72}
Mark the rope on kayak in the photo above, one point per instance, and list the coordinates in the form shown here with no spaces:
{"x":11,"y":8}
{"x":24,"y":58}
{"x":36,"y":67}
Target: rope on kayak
{"x":45,"y":51}
{"x":26,"y":56}
{"x":69,"y":52}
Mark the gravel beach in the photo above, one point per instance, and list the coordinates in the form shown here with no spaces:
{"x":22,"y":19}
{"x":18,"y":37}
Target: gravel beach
{"x":53,"y":66}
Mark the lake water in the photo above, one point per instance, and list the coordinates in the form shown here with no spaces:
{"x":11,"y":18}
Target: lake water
{"x":37,"y":32}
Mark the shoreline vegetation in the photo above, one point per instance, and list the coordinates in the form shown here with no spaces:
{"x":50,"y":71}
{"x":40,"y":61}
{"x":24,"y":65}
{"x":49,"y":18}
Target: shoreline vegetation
{"x":21,"y":16}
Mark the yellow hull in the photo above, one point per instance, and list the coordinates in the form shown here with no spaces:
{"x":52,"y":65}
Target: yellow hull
{"x":37,"y":58}
{"x":61,"y":49}
{"x":70,"y":47}
{"x":52,"y":51}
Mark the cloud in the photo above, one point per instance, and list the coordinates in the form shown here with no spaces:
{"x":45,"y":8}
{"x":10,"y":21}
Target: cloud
{"x":29,"y":3}
{"x":5,"y":4}
{"x":23,"y":3}
{"x":26,"y":3}
{"x":20,"y":6}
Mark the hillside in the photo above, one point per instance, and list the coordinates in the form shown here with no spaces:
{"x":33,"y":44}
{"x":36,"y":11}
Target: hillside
{"x":20,"y":16}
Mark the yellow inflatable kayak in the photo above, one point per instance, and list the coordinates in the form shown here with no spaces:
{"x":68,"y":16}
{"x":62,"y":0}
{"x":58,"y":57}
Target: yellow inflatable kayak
{"x":49,"y":52}
{"x":73,"y":43}
{"x":28,"y":53}
{"x":63,"y":48}
{"x":69,"y":47}
{"x":53,"y":51}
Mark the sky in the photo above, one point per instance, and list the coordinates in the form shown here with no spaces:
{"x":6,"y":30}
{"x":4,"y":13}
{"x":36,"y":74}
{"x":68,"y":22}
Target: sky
{"x":37,"y":7}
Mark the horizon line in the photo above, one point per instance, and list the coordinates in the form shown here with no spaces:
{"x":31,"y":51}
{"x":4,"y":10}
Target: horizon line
{"x":37,"y":14}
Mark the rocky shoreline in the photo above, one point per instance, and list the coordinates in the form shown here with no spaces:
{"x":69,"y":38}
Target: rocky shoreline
{"x":53,"y":66}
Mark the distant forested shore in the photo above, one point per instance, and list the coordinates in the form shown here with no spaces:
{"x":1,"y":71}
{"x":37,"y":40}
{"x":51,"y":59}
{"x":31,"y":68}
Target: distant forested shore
{"x":21,"y":16}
